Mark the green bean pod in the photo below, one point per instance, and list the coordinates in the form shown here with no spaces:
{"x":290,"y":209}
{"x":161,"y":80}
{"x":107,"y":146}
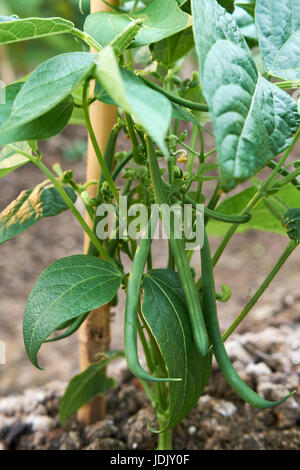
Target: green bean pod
{"x":213,"y":328}
{"x":131,"y":309}
{"x":181,"y":261}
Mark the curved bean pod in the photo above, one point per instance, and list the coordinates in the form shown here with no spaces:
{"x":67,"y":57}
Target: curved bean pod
{"x":213,"y":328}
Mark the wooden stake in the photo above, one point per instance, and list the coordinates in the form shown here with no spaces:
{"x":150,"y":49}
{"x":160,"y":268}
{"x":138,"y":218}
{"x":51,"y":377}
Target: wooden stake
{"x":94,"y":335}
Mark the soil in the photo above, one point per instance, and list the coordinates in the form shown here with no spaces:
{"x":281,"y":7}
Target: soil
{"x":269,"y":361}
{"x":244,"y":265}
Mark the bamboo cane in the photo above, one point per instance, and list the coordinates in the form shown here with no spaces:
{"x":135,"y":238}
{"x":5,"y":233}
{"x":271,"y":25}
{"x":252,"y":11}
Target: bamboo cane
{"x":94,"y":335}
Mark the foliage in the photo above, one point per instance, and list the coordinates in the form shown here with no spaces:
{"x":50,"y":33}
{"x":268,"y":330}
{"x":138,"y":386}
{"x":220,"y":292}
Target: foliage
{"x":166,"y":118}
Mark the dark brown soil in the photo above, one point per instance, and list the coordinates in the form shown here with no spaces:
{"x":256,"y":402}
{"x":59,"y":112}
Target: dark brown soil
{"x":269,"y":361}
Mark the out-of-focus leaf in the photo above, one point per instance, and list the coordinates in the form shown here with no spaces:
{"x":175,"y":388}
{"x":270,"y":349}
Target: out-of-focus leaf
{"x":262,"y":218}
{"x":160,"y":20}
{"x":85,"y":386}
{"x":10,"y":160}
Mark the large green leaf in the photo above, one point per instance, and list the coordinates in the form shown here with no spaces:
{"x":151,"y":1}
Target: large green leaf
{"x":68,"y":288}
{"x":85,"y":386}
{"x":278,"y":25}
{"x":50,"y":84}
{"x":148,"y":107}
{"x":160,"y":20}
{"x":166,"y":315}
{"x":10,"y":160}
{"x":15,"y":29}
{"x":212,"y":23}
{"x":262,"y":218}
{"x":31,"y":206}
{"x":253,"y":120}
{"x":43,"y":127}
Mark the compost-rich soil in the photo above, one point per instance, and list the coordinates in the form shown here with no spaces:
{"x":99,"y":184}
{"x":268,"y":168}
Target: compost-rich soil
{"x":269,"y":361}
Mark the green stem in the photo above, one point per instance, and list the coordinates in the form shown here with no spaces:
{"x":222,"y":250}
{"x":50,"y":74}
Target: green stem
{"x":272,"y":164}
{"x":87,"y":39}
{"x":176,"y":99}
{"x":193,"y":145}
{"x":134,"y":7}
{"x":121,"y":165}
{"x":134,"y":142}
{"x":36,"y":161}
{"x":256,"y":199}
{"x":289,"y":179}
{"x":285,"y":255}
{"x":96,"y":146}
{"x":73,"y":209}
{"x":165,"y":439}
{"x":287,"y":85}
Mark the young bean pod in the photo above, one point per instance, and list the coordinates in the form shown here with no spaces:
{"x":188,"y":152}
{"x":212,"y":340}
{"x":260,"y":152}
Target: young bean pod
{"x":213,"y":328}
{"x":181,"y":261}
{"x":131,"y":308}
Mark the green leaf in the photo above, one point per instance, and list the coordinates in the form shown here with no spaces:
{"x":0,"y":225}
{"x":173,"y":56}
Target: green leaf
{"x":227,"y":4}
{"x":148,"y":108}
{"x":170,"y":50}
{"x":31,"y":206}
{"x":165,"y":312}
{"x":43,"y":127}
{"x":160,"y":20}
{"x":252,"y":119}
{"x":14,"y":29}
{"x":212,"y":23}
{"x":50,"y":84}
{"x":278,"y":25}
{"x":246,"y":25}
{"x":248,"y":6}
{"x":291,"y":222}
{"x":85,"y":386}
{"x":10,"y":160}
{"x":178,"y":112}
{"x":67,"y":288}
{"x":262,"y":218}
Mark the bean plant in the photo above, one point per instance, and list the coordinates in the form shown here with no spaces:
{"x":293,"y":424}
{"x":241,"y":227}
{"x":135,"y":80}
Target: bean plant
{"x":221,"y":139}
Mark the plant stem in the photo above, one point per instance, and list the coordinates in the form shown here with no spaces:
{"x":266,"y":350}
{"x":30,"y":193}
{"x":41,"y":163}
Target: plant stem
{"x":193,"y":145}
{"x":289,"y":178}
{"x":73,"y":209}
{"x":36,"y":161}
{"x":87,"y":39}
{"x":176,"y":99}
{"x":165,"y":438}
{"x":285,"y":255}
{"x":96,"y":145}
{"x":134,"y":7}
{"x":256,"y":199}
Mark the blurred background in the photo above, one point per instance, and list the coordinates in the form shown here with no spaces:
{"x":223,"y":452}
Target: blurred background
{"x":246,"y":262}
